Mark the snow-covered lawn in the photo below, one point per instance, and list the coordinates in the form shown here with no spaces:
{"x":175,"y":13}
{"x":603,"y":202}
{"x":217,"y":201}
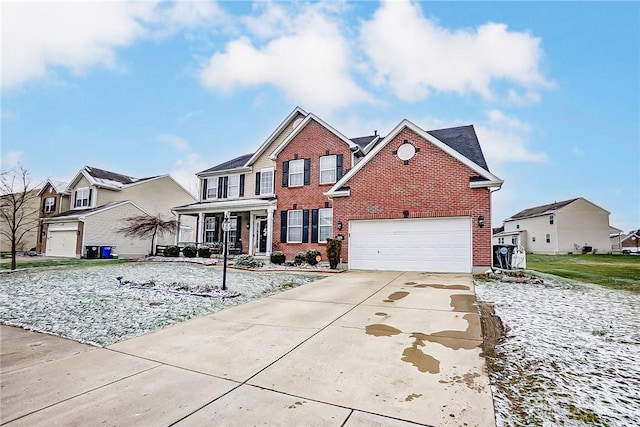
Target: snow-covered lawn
{"x":90,"y":305}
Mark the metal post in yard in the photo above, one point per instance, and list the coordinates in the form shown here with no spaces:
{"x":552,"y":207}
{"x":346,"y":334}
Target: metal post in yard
{"x":225,"y":227}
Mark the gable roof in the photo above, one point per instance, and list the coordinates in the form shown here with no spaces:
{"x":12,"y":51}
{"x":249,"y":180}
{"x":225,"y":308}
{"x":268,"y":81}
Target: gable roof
{"x":352,"y":145}
{"x":542,"y":210}
{"x":290,"y":118}
{"x":83,"y":213}
{"x":58,"y":186}
{"x":107,"y":179}
{"x":238,"y":162}
{"x":456,"y":138}
{"x":464,"y":140}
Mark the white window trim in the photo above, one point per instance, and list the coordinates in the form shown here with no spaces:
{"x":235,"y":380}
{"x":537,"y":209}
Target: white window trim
{"x":334,"y":169}
{"x":291,"y":174}
{"x":48,"y":207}
{"x":211,"y":187}
{"x":213,"y":220}
{"x":289,"y":226}
{"x":272,"y":171}
{"x":320,"y":226}
{"x":75,"y":197}
{"x":229,"y":186}
{"x":233,"y":228}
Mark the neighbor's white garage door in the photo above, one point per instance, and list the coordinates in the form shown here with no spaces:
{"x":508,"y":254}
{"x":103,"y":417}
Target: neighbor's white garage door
{"x":434,"y":244}
{"x":62,"y":243}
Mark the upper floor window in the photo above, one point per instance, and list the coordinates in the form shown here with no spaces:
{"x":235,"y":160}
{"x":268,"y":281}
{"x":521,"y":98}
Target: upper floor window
{"x":82,"y":198}
{"x":211,"y":188}
{"x":49,"y":205}
{"x":233,"y":186}
{"x":264,"y":181}
{"x":325,"y":224}
{"x":551,"y":219}
{"x":517,"y":225}
{"x":328,"y":169}
{"x":296,"y":173}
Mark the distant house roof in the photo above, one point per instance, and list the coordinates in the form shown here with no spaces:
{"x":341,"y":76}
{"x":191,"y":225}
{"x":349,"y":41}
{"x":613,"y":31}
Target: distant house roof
{"x":103,"y":175}
{"x":542,"y":210}
{"x":464,"y":140}
{"x":58,"y":186}
{"x":80,"y":213}
{"x":238,"y":162}
{"x":363,"y":141}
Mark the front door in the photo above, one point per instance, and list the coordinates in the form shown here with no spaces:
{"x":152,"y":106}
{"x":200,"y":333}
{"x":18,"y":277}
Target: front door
{"x":261,"y":235}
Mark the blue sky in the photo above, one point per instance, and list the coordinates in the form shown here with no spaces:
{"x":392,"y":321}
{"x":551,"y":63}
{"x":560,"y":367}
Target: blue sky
{"x":148,"y":88}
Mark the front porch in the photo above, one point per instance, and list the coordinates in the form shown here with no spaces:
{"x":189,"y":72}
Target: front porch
{"x":251,"y":224}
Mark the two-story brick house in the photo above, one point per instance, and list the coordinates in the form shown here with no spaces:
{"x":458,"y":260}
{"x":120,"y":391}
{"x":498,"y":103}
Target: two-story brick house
{"x":413,"y":200}
{"x":100,"y":202}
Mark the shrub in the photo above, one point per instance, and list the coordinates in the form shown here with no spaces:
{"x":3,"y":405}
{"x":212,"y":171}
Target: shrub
{"x":246,"y":261}
{"x":311,"y":256}
{"x":300,"y":258}
{"x":204,"y":252}
{"x":334,"y":250}
{"x":172,"y":251}
{"x":277,"y":257}
{"x":190,"y":251}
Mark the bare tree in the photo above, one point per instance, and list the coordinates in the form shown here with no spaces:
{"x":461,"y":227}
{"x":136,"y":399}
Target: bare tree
{"x":148,"y":226}
{"x":18,"y":208}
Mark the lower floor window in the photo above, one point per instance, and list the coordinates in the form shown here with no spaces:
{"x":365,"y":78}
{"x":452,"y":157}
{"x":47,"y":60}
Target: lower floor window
{"x":325,"y":224}
{"x":294,"y":226}
{"x":210,"y":229}
{"x":548,"y":238}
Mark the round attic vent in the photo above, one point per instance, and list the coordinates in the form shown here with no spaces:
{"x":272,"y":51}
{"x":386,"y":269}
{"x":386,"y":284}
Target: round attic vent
{"x":406,"y":151}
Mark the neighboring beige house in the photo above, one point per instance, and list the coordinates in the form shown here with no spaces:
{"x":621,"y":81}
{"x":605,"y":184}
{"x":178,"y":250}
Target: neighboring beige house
{"x":99,"y":203}
{"x":28,"y":217}
{"x":53,"y":201}
{"x":570,"y":226}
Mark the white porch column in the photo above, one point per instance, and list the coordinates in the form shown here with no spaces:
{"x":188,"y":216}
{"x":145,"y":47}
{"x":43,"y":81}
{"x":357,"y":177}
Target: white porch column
{"x":179,"y":233}
{"x":200,"y":231}
{"x":270,"y":211}
{"x":252,"y":220}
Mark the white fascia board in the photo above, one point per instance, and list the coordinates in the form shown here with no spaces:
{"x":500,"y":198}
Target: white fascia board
{"x":301,"y":126}
{"x":224,"y":172}
{"x":371,"y":144}
{"x":221,"y":206}
{"x":444,"y":147}
{"x":488,"y":184}
{"x":275,"y":134}
{"x":341,"y":193}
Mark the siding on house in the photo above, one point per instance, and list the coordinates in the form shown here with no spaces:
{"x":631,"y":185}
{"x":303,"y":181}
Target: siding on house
{"x":432,"y":184}
{"x":537,"y":229}
{"x":31,"y":213}
{"x":102,"y":230}
{"x":583,"y":224}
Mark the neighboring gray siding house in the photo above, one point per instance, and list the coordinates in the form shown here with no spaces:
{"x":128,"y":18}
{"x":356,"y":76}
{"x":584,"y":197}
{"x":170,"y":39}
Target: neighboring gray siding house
{"x":558,"y":228}
{"x":100,"y":202}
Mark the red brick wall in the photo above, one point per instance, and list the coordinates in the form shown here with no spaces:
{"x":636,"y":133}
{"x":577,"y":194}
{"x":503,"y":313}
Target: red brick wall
{"x":432,"y":184}
{"x":312,"y":142}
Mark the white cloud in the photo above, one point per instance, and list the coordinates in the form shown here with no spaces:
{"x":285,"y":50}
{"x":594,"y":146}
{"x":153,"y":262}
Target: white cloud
{"x":306,"y":56}
{"x":177,"y":142}
{"x":504,"y":139}
{"x":40,"y":36}
{"x":414,"y":56}
{"x":184,"y":171}
{"x":11,"y":159}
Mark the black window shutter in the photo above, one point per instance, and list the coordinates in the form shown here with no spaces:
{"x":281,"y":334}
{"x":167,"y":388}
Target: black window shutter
{"x":204,"y":188}
{"x":314,"y":226}
{"x":242,"y":185}
{"x":257,"y":183}
{"x":305,"y":226}
{"x":339,"y":166}
{"x":285,"y":174}
{"x":90,"y":194}
{"x":220,"y":185}
{"x":225,"y":187}
{"x":283,"y":227}
{"x":238,"y":229}
{"x":44,"y":203}
{"x":307,"y":171}
{"x":53,"y":208}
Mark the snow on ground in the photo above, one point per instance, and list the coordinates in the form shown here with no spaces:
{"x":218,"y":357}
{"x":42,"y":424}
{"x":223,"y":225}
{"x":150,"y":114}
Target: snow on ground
{"x":571,"y":354}
{"x":90,"y":305}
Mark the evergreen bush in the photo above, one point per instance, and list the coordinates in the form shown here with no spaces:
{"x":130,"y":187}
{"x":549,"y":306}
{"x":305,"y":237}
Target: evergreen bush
{"x":300,"y":258}
{"x":190,"y":251}
{"x":312,"y":256}
{"x":204,"y":252}
{"x":278,"y":257}
{"x":334,"y":250}
{"x":172,"y":251}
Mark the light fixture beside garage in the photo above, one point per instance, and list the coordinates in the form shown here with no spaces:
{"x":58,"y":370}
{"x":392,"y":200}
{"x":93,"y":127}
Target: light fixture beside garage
{"x":480,"y":221}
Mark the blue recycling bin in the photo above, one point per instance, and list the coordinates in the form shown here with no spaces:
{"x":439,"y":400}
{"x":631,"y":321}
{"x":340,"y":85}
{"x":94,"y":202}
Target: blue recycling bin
{"x":105,"y":252}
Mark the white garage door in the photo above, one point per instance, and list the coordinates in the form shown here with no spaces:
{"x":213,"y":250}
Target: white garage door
{"x":434,"y":244}
{"x":62,"y":243}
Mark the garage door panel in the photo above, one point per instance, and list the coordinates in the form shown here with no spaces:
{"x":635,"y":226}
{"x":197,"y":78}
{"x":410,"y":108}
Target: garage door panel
{"x":62,"y":243}
{"x":436,"y":244}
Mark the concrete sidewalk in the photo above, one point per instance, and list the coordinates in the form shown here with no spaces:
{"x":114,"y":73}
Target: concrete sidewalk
{"x":354,"y":349}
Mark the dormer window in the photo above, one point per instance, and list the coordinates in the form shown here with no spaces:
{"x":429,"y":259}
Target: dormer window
{"x":82,"y":198}
{"x":49,"y":205}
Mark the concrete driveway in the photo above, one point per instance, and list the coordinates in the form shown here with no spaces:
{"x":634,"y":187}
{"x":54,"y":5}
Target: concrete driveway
{"x":354,"y":349}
